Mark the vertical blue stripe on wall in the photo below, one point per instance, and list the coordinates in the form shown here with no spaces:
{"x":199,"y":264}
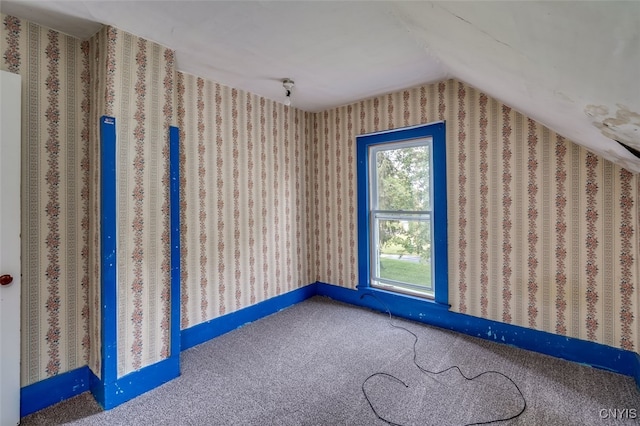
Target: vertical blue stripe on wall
{"x":174,"y":176}
{"x":108,"y":258}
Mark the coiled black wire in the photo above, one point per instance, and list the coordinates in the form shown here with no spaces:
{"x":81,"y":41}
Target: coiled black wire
{"x":427,"y":371}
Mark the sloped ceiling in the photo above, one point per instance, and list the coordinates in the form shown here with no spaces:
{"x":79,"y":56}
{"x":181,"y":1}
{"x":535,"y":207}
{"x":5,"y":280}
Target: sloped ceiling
{"x":574,"y":66}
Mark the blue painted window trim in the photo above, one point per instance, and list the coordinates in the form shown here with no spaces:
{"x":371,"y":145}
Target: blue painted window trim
{"x":439,"y":169}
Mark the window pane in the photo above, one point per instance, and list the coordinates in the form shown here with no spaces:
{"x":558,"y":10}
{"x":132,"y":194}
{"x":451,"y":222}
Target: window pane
{"x":402,"y":177}
{"x":400,"y":174}
{"x":404,"y":252}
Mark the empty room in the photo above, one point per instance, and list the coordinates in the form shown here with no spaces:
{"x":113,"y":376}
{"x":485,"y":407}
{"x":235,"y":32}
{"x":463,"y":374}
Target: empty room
{"x":315,"y":213}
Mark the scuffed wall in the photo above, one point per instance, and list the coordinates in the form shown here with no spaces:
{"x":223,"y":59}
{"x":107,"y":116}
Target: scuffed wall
{"x":542,"y":233}
{"x":55,"y":185}
{"x":244,"y":199}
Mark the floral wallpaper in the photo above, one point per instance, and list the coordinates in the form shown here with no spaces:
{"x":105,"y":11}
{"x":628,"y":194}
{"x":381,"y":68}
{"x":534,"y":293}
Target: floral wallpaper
{"x":542,"y":233}
{"x":56,"y":335}
{"x":244,"y":199}
{"x":96,"y":47}
{"x":139,"y":93}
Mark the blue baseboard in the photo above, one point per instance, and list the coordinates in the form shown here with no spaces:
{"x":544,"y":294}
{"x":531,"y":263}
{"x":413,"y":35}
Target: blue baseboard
{"x":66,"y":385}
{"x":200,"y":333}
{"x":58,"y":388}
{"x":112,"y":394}
{"x":47,"y":392}
{"x":55,"y":389}
{"x":636,"y":366}
{"x":569,"y":348}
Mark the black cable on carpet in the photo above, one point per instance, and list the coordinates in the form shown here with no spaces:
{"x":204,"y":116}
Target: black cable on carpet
{"x":426,"y":371}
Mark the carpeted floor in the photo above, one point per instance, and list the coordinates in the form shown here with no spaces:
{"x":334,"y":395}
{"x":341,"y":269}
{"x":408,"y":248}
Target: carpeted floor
{"x":307,"y":365}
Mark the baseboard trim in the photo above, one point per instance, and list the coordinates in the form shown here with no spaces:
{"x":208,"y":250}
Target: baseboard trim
{"x":66,"y":385}
{"x":636,"y":366}
{"x":581,"y":351}
{"x":112,"y":394}
{"x":205,"y":331}
{"x":55,"y":389}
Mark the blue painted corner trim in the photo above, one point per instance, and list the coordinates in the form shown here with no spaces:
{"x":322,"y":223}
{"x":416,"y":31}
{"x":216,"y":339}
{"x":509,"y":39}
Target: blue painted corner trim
{"x":108,"y":389}
{"x":208,"y":330}
{"x":134,"y":384}
{"x":569,"y":348}
{"x":108,"y":233}
{"x":55,"y":389}
{"x":174,"y":195}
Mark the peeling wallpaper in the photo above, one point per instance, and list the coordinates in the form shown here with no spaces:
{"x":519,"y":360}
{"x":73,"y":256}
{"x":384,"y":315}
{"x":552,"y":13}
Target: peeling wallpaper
{"x":542,"y":233}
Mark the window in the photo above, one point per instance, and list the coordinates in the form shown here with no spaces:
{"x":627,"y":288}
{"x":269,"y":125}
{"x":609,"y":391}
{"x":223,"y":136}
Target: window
{"x":402,"y":206}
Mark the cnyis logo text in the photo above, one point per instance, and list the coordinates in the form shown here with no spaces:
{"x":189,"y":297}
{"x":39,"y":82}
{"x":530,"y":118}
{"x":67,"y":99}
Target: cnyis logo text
{"x":618,"y":413}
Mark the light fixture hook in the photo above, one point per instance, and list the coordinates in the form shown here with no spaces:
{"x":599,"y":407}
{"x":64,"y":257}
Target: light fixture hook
{"x":288,"y":84}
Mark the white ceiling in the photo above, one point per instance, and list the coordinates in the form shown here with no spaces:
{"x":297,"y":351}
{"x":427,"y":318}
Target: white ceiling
{"x":574,"y":66}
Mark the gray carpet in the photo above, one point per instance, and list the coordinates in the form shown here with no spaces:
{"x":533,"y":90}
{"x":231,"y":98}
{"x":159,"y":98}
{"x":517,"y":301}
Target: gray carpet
{"x":306,"y":366}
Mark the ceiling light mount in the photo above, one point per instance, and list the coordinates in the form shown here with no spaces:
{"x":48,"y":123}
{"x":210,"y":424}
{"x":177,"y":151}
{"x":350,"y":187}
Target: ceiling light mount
{"x":288,"y":84}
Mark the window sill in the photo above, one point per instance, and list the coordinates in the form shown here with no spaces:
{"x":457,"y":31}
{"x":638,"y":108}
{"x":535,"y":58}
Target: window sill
{"x":400,"y":304}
